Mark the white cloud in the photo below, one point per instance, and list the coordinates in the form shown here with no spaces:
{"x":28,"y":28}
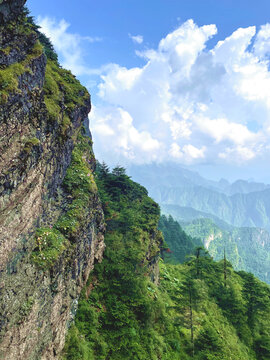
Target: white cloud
{"x":197,"y":104}
{"x":187,"y":103}
{"x":237,"y":154}
{"x":262,"y":43}
{"x":69,"y":46}
{"x":221,"y":130}
{"x":125,"y":141}
{"x":137,"y":39}
{"x":187,"y":154}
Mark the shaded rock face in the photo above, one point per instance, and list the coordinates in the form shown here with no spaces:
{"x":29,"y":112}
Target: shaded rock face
{"x":37,"y":304}
{"x":10,"y":9}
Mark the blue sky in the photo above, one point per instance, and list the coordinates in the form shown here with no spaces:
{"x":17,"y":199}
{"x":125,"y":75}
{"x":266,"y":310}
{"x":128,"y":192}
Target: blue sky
{"x":113,"y":20}
{"x":161,"y":86}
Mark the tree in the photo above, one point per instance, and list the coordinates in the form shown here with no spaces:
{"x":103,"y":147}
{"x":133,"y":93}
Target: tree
{"x":257,"y":298}
{"x":119,"y":171}
{"x":225,"y":268}
{"x":103,"y":169}
{"x":198,"y":252}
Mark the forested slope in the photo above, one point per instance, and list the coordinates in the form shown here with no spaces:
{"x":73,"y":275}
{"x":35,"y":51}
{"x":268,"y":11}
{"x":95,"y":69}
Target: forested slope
{"x":198,"y":310}
{"x":247,"y":249}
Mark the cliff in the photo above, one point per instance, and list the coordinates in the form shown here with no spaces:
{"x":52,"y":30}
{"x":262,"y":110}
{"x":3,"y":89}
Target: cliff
{"x":117,"y":311}
{"x":51,"y":219}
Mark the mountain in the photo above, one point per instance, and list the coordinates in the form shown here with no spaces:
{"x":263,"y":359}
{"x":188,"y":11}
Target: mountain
{"x":188,"y":214}
{"x":174,"y":175}
{"x":197,"y":310}
{"x":178,"y":244}
{"x":51,"y":220}
{"x":247,"y":249}
{"x":61,"y":295}
{"x":181,"y":187}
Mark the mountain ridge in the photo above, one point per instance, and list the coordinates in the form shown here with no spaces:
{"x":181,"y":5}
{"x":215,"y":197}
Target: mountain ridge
{"x":250,"y":209}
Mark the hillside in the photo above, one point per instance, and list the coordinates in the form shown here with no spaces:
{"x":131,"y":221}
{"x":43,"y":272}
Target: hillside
{"x":247,"y":249}
{"x":81,"y":276}
{"x":178,"y":244}
{"x":240,"y":204}
{"x":51,"y":220}
{"x":198,"y":310}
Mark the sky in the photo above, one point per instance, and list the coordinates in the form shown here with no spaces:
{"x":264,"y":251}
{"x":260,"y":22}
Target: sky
{"x":179,"y":81}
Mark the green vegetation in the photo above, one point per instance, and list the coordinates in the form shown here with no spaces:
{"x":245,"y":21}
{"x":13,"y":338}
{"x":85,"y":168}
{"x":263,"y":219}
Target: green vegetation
{"x":30,"y":143}
{"x":46,"y":43}
{"x":50,"y":243}
{"x":9,"y":76}
{"x":79,"y":184}
{"x":20,"y":26}
{"x":239,"y":243}
{"x":179,"y":244}
{"x":116,"y":315}
{"x":26,"y":308}
{"x":200,"y":310}
{"x":63,"y":92}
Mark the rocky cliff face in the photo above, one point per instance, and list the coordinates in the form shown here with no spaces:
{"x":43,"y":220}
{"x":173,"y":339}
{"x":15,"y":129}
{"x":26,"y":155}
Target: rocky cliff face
{"x":10,"y":10}
{"x":51,"y":220}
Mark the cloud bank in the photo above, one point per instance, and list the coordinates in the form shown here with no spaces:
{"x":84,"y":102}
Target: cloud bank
{"x":191,"y":104}
{"x":188,"y":103}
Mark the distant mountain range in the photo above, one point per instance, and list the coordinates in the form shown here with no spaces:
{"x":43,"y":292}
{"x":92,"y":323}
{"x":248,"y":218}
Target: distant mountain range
{"x":235,"y":217}
{"x":241,"y":204}
{"x":174,"y":175}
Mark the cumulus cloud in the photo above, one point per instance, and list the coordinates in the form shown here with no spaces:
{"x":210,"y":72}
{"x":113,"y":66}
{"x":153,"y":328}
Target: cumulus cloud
{"x":187,"y":154}
{"x":68,"y":45}
{"x":137,"y":39}
{"x":187,"y":103}
{"x":127,"y":143}
{"x":262,"y":43}
{"x":190,"y":104}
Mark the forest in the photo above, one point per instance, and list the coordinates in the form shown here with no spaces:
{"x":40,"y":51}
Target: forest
{"x":198,"y":308}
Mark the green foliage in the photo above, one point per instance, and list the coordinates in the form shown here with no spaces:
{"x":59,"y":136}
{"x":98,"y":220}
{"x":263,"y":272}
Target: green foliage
{"x":48,"y":47}
{"x":9,"y":76}
{"x":79,"y":182}
{"x":63,"y":92}
{"x":121,"y":306}
{"x":20,"y":25}
{"x":26,"y":307}
{"x":49,"y":244}
{"x":46,"y":43}
{"x":179,"y":244}
{"x":80,"y":186}
{"x":239,"y":243}
{"x":193,"y":313}
{"x":208,"y":343}
{"x":30,"y":143}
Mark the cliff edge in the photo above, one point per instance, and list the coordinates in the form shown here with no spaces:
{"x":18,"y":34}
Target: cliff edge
{"x":51,"y":219}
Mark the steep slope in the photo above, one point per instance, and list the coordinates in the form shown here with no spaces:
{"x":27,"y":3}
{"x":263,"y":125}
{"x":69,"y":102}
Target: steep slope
{"x":247,"y":249}
{"x":199,"y":310}
{"x":115,"y":311}
{"x":179,"y":245}
{"x":188,"y":214}
{"x":51,"y":221}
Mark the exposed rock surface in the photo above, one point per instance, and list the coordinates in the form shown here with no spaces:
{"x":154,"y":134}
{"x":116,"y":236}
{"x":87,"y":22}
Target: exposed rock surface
{"x":10,"y":9}
{"x":37,"y":303}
